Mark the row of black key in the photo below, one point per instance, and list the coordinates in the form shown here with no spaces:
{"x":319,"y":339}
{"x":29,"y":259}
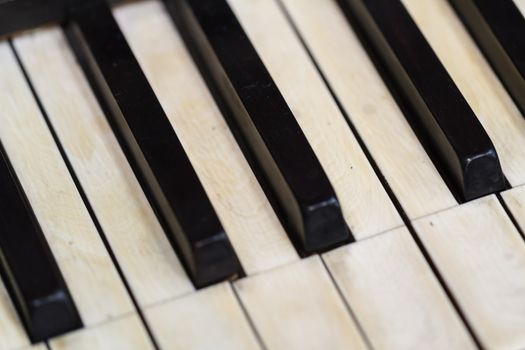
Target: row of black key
{"x":312,"y":214}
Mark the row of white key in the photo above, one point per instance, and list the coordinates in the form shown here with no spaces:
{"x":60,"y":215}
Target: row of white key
{"x":385,"y":282}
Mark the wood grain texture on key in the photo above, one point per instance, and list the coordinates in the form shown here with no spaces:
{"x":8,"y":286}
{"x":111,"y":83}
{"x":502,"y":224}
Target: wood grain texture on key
{"x":207,"y":320}
{"x":481,"y":257}
{"x":126,"y":333}
{"x":476,"y":80}
{"x":72,"y":236}
{"x":12,"y":333}
{"x":395,"y":296}
{"x":372,"y":110}
{"x":142,"y":249}
{"x":253,"y":228}
{"x":297,"y":307}
{"x":365,"y":204}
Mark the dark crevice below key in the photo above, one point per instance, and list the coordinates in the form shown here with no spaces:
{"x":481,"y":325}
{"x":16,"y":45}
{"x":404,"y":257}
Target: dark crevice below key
{"x":304,"y":194}
{"x":464,"y":149}
{"x":156,"y":153}
{"x":18,"y":15}
{"x":28,"y":267}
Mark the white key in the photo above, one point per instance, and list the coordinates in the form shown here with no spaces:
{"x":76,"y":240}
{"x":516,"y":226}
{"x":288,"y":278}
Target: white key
{"x":297,"y":307}
{"x":365,"y":204}
{"x":142,"y":249}
{"x":12,"y":333}
{"x":207,"y":320}
{"x":88,"y":270}
{"x":395,"y":296}
{"x":521,"y":5}
{"x":126,"y":333}
{"x":241,"y":205}
{"x":515,"y":200}
{"x":368,"y":103}
{"x":476,"y":81}
{"x":481,"y":257}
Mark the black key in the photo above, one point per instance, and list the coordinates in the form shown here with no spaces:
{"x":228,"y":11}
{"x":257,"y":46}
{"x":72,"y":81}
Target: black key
{"x":30,"y":272}
{"x":465,"y":151}
{"x":499,"y":28}
{"x":303,"y":191}
{"x":157,"y":154}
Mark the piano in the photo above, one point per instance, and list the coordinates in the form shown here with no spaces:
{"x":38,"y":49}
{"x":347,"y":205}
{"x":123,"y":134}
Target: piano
{"x":262,"y":174}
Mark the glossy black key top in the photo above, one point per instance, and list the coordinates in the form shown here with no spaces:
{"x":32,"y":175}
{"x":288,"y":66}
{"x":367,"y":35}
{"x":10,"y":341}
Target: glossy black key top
{"x":499,"y":28}
{"x":30,"y":272}
{"x":302,"y":189}
{"x":464,"y":148}
{"x":156,"y":152}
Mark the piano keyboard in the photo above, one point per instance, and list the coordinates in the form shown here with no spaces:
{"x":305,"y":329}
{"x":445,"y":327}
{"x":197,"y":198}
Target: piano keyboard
{"x":262,"y":174}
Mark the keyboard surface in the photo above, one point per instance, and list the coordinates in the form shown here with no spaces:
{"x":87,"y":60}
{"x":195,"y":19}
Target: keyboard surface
{"x":262,"y":174}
